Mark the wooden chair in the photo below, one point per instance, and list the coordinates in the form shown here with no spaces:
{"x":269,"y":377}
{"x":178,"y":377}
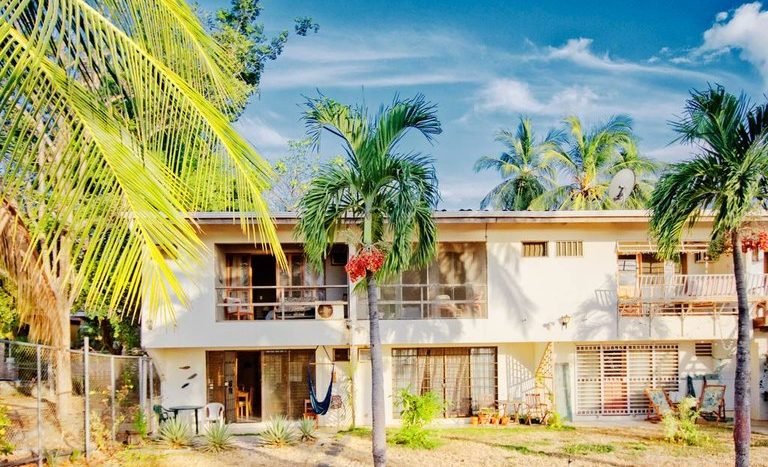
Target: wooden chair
{"x":537,"y":406}
{"x":712,"y":402}
{"x":660,"y":404}
{"x":243,"y":410}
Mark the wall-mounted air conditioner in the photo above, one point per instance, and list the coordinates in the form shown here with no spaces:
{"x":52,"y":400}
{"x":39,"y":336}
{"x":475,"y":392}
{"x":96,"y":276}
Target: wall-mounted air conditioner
{"x":326,"y":311}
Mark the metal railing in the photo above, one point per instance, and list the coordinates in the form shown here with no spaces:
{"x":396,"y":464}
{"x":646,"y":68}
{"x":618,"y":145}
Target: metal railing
{"x":278,"y":302}
{"x":688,"y":293}
{"x":65,"y":402}
{"x":429,"y":301}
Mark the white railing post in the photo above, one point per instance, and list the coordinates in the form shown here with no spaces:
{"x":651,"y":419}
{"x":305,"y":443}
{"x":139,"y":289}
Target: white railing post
{"x":39,"y":407}
{"x":87,"y":397}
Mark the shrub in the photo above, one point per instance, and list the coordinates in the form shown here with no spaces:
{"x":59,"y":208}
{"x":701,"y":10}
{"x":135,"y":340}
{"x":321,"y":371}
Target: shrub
{"x":307,"y":429}
{"x":278,"y":433}
{"x":175,"y":432}
{"x":101,"y":435}
{"x":218,"y":438}
{"x":680,"y":426}
{"x":5,"y":446}
{"x":140,"y":424}
{"x":417,"y":412}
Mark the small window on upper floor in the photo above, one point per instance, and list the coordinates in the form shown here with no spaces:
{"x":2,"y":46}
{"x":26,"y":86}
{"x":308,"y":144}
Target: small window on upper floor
{"x":340,"y":355}
{"x":703,"y":349}
{"x":534,"y":249}
{"x":570,"y":248}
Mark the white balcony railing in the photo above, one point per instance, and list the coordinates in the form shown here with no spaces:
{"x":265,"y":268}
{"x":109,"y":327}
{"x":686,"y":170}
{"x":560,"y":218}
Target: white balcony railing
{"x":692,"y":292}
{"x":281,"y":302}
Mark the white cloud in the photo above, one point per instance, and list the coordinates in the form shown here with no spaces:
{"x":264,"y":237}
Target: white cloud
{"x":513,"y":96}
{"x":745,"y":30}
{"x":579,"y":51}
{"x":260,"y":134}
{"x":722,"y":16}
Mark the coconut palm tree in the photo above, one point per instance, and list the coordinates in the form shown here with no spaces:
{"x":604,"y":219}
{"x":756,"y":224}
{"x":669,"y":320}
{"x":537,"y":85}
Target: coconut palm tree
{"x":587,"y":162}
{"x":390,"y":195}
{"x":525,"y":167}
{"x":728,"y":176}
{"x":107,"y":110}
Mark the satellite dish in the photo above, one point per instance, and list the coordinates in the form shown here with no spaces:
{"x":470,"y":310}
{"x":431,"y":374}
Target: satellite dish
{"x":621,"y":186}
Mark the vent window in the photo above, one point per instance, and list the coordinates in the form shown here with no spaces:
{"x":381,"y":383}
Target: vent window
{"x":534,"y":249}
{"x":703,"y":349}
{"x":570,"y":248}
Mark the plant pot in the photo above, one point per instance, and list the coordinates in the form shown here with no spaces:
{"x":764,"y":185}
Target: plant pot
{"x":482,"y":419}
{"x":504,"y":421}
{"x":473,"y":420}
{"x":494,"y":420}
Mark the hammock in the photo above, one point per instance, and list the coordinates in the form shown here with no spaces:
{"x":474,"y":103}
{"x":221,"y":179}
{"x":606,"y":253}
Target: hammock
{"x":320,"y":407}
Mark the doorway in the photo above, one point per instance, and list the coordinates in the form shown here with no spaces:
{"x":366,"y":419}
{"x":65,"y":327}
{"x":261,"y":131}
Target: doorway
{"x":263,"y":273}
{"x":275,"y":381}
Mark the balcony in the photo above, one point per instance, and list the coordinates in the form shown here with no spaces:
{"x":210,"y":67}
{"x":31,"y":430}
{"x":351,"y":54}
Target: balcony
{"x":687,"y":294}
{"x":429,"y":301}
{"x":326,"y":302}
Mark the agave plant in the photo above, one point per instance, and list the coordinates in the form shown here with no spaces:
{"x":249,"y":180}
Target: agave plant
{"x":218,"y":438}
{"x":279,"y":433}
{"x":176,"y":433}
{"x":307,"y":429}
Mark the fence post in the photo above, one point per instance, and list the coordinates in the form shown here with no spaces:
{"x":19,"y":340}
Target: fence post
{"x":142,"y":385}
{"x":112,"y":385}
{"x":148,"y":410}
{"x":87,"y":399}
{"x":39,"y":407}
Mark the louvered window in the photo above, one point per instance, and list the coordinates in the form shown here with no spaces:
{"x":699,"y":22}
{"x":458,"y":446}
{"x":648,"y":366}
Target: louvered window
{"x":611,"y":379}
{"x":534,"y":249}
{"x":571,"y":248}
{"x":703,"y":349}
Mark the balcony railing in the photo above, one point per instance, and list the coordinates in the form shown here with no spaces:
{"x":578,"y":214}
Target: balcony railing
{"x":688,"y":293}
{"x":281,"y":302}
{"x":429,"y":301}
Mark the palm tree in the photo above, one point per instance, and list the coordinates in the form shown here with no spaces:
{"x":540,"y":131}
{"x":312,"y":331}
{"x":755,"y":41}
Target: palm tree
{"x":107,"y":110}
{"x":587,"y":163}
{"x":525,"y":167}
{"x":728,"y":176}
{"x":391,"y":194}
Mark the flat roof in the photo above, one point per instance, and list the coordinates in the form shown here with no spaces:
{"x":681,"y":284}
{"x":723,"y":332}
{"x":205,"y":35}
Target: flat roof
{"x":472,"y":216}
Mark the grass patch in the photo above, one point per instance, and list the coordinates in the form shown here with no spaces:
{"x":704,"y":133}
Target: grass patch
{"x":581,"y":449}
{"x":358,"y":431}
{"x":636,"y":446}
{"x":521,"y":449}
{"x":760,"y":443}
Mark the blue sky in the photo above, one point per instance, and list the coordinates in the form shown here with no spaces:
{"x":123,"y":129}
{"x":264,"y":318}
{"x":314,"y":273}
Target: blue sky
{"x":486,"y":63}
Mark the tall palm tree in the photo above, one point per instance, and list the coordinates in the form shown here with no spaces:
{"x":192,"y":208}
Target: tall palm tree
{"x":107,"y":110}
{"x":391,"y":195}
{"x":728,"y":176}
{"x":587,"y":162}
{"x":525,"y":167}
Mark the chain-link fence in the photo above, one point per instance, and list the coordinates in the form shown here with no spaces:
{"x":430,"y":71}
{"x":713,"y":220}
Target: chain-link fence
{"x":66,"y":402}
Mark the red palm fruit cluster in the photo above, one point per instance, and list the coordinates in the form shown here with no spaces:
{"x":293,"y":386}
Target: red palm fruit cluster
{"x":757,"y":241}
{"x":370,"y":258}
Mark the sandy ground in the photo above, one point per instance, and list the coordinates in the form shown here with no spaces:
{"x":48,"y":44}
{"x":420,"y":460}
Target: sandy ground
{"x":636,"y":445}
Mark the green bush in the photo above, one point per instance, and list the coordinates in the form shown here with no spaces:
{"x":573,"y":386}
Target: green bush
{"x":417,"y":411}
{"x":307,"y":429}
{"x":218,"y":438}
{"x":176,"y":433}
{"x":5,"y":446}
{"x":278,"y":433}
{"x":680,"y":426}
{"x":140,"y":424}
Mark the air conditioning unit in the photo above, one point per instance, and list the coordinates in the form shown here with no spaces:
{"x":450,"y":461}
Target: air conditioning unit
{"x":327,"y":311}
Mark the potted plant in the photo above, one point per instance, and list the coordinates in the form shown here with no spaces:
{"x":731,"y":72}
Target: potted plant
{"x":504,"y":420}
{"x":483,"y":416}
{"x":474,"y":420}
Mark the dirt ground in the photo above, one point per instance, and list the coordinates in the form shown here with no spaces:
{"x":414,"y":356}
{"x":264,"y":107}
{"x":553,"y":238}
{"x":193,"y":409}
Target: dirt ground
{"x":612,"y":445}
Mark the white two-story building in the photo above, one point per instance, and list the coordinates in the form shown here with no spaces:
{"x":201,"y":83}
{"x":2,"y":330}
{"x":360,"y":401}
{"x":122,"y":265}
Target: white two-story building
{"x":573,"y":302}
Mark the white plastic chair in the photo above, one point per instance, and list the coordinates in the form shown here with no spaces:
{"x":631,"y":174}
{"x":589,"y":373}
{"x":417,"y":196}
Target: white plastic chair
{"x":213,"y":412}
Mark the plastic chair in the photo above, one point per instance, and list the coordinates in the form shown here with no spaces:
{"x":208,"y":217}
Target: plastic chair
{"x":213,"y":412}
{"x":163,"y":414}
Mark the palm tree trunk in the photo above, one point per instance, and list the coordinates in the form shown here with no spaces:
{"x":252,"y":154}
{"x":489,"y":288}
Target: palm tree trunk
{"x":377,"y":377}
{"x":741,"y":416}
